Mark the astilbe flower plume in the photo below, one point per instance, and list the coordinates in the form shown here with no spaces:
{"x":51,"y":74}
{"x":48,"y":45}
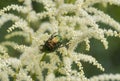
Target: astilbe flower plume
{"x":76,"y":21}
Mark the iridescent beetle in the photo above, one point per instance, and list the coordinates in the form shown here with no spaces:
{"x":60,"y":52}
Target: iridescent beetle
{"x":54,"y":42}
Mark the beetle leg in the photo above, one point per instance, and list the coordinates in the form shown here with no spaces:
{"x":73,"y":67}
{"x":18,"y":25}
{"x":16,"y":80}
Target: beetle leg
{"x":53,"y":35}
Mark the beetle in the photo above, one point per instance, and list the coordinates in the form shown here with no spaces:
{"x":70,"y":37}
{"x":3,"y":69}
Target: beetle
{"x":54,"y":42}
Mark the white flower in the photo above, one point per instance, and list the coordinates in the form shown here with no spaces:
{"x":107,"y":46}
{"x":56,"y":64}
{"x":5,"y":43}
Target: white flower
{"x":60,"y":25}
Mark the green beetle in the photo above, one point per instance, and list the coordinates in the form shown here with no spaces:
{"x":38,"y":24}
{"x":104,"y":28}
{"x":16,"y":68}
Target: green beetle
{"x":53,"y":43}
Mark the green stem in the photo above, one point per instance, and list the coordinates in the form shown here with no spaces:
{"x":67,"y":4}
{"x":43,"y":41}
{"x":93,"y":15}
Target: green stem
{"x":43,"y":57}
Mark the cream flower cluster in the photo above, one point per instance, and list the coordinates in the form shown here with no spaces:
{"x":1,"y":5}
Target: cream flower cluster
{"x":74,"y":22}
